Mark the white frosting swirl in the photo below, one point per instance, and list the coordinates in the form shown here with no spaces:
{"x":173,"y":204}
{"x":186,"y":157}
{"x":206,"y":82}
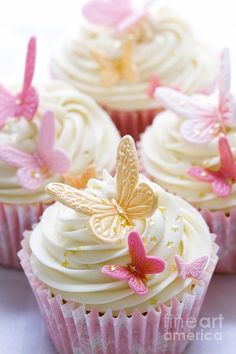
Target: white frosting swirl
{"x":172,"y":53}
{"x":166,"y":156}
{"x":83,"y":130}
{"x":62,"y":229}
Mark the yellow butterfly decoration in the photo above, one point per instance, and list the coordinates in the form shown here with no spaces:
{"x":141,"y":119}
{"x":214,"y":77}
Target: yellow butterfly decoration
{"x":81,"y":181}
{"x":112,"y":71}
{"x":108,"y":217}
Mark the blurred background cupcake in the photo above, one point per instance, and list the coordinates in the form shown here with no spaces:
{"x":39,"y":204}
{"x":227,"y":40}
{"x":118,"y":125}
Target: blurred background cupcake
{"x":120,"y":265}
{"x":190,"y":151}
{"x":46,"y":134}
{"x":122,"y":53}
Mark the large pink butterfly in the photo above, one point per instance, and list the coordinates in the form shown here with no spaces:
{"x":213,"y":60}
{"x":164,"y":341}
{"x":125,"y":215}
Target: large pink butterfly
{"x":221,"y":180}
{"x":203,"y":121}
{"x":25,"y":103}
{"x":118,"y":15}
{"x":194,"y":269}
{"x":135,"y":272}
{"x":33,"y":168}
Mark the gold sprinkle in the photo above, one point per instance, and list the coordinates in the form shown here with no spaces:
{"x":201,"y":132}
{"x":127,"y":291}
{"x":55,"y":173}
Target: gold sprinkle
{"x":65,"y":264}
{"x":153,"y":301}
{"x":151,"y":222}
{"x":194,"y":62}
{"x":201,"y":194}
{"x":114,"y":229}
{"x":193,"y":286}
{"x":173,"y":268}
{"x":162,"y":209}
{"x":175,"y":227}
{"x":182,"y":177}
{"x":178,"y":218}
{"x":153,"y":239}
{"x":35,"y":174}
{"x":170,"y":244}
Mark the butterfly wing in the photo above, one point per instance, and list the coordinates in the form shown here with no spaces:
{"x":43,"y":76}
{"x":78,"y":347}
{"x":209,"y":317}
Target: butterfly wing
{"x":30,"y":178}
{"x":219,"y":183}
{"x":78,"y":200}
{"x":106,"y":226}
{"x":196,"y":268}
{"x":109,"y":74}
{"x":107,"y":13}
{"x":138,"y":285}
{"x":153,"y":265}
{"x":28,"y":96}
{"x":56,"y":160}
{"x":7,"y":105}
{"x":181,"y":267}
{"x":136,"y":249}
{"x":117,"y":272}
{"x":28,"y":174}
{"x":129,"y":71}
{"x":228,"y":165}
{"x":200,"y":118}
{"x":16,"y":158}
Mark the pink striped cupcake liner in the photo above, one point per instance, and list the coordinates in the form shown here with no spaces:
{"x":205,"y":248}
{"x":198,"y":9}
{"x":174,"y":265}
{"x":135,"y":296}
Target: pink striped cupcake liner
{"x":224,"y":227}
{"x":134,"y":122}
{"x":73,"y":330}
{"x":220,"y":224}
{"x":14,"y":220}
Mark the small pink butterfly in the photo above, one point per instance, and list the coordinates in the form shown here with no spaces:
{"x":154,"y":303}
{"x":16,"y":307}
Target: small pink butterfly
{"x":135,"y":272}
{"x":119,"y":15}
{"x":194,"y":269}
{"x":155,"y":82}
{"x":203,"y":121}
{"x":32,"y":168}
{"x":221,"y":180}
{"x":25,"y":103}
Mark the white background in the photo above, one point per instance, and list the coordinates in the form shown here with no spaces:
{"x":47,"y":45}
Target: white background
{"x":21,"y":328}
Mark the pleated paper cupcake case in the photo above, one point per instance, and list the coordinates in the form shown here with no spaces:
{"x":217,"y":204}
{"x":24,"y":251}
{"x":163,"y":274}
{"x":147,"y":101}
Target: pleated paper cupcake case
{"x":75,"y":331}
{"x":132,"y":123}
{"x":14,"y":220}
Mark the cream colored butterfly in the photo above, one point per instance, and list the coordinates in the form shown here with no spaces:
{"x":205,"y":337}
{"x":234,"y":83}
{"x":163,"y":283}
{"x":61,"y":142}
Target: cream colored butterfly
{"x":108,"y":217}
{"x":112,"y":71}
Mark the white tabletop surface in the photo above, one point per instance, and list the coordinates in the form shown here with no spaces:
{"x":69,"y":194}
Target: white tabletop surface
{"x":21,"y":328}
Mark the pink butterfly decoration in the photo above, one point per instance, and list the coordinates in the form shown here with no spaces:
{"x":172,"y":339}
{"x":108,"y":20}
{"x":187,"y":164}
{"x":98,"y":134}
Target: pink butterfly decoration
{"x":221,"y":180}
{"x":194,"y":269}
{"x":119,"y":15}
{"x":155,"y":82}
{"x":25,"y":103}
{"x":135,"y":272}
{"x":33,"y":168}
{"x":203,"y":121}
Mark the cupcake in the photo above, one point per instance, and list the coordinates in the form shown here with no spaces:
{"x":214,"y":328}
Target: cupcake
{"x":114,"y":265}
{"x":121,"y":54}
{"x":190,"y":151}
{"x":46,"y":134}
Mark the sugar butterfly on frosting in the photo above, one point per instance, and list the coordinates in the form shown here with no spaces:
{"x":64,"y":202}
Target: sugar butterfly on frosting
{"x":194,"y":269}
{"x":32,"y":168}
{"x":109,"y":217}
{"x":118,"y":15}
{"x":204,"y":121}
{"x":221,"y":179}
{"x":141,"y":265}
{"x":25,"y":103}
{"x":112,"y":71}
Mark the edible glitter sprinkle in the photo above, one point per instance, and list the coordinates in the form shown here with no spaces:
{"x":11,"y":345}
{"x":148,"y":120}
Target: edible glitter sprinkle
{"x":175,"y":227}
{"x":65,"y":264}
{"x":170,"y":244}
